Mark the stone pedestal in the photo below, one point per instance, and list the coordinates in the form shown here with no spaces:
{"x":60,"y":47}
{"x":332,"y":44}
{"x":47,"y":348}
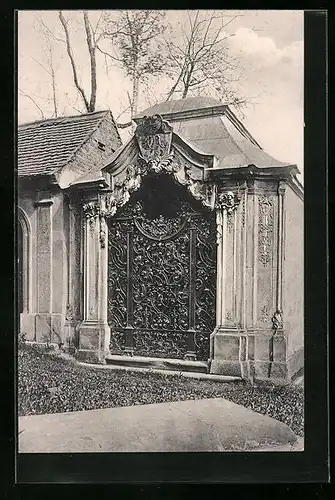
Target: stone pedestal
{"x":228,"y":352}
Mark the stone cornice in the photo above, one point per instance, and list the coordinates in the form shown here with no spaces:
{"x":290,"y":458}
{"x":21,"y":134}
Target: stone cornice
{"x":192,"y":113}
{"x":253,"y":172}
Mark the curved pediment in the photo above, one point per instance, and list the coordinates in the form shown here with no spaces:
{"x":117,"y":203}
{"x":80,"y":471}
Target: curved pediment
{"x":155,"y":149}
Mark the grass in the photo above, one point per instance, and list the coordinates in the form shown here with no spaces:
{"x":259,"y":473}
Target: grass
{"x":53,"y":383}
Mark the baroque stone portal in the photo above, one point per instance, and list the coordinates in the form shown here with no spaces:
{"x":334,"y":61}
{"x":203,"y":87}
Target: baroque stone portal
{"x":162,"y":273}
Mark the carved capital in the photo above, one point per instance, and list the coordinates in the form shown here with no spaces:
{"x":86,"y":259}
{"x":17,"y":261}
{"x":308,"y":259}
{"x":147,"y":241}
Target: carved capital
{"x":91,"y":210}
{"x":228,"y":201}
{"x":97,"y":210}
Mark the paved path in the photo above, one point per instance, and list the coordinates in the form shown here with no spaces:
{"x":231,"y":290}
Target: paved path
{"x":201,"y":425}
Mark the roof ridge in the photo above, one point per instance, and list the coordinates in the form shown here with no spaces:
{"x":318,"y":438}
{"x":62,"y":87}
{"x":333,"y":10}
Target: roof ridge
{"x":61,"y":118}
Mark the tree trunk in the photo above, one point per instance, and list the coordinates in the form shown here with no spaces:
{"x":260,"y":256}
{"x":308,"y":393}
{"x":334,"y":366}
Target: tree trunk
{"x":72,"y":61}
{"x":91,"y":49}
{"x":54,"y":92}
{"x":135,"y":96}
{"x":185,"y":91}
{"x":134,"y":99}
{"x":53,"y":82}
{"x":187,"y":81}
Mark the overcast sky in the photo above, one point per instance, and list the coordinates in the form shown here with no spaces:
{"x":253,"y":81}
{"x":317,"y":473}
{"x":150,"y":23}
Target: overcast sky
{"x":269,"y":45}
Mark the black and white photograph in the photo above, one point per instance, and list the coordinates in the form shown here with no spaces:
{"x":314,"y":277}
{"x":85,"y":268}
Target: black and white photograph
{"x":160,"y":226}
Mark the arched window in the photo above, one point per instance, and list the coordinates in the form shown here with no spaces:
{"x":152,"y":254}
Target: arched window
{"x":23,"y":255}
{"x":20,"y":267}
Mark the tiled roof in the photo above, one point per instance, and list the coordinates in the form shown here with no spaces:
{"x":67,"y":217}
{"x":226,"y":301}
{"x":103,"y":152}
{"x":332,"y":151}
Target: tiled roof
{"x":48,"y":145}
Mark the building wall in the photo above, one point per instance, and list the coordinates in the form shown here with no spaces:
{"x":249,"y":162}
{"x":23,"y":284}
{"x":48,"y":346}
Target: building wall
{"x":293,"y":272}
{"x":90,"y":156}
{"x":47,"y":273}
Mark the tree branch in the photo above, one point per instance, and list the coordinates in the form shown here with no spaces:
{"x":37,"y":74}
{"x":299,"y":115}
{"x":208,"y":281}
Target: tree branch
{"x":108,"y":54}
{"x":122,"y":112}
{"x":42,"y":66}
{"x":33,"y":100}
{"x":40,"y":20}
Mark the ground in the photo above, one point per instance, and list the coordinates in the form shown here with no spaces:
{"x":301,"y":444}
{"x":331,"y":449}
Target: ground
{"x":53,"y":383}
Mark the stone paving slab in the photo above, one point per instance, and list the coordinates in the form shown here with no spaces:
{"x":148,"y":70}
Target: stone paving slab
{"x":183,"y":426}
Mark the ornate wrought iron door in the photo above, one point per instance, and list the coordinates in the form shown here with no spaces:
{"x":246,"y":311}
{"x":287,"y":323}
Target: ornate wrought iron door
{"x":162,"y":274}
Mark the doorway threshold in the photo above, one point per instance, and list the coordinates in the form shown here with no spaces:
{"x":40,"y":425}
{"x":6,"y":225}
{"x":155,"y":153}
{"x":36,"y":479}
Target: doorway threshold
{"x":179,"y":365}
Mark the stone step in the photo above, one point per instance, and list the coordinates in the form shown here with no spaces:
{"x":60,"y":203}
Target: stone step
{"x":136,"y":369}
{"x":179,"y":365}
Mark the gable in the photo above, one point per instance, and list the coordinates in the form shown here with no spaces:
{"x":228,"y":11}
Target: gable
{"x":45,"y":147}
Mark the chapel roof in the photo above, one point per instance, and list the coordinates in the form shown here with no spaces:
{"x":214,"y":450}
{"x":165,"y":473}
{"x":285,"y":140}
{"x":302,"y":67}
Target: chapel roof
{"x":213,"y":128}
{"x":46,"y":146}
{"x":179,"y":105}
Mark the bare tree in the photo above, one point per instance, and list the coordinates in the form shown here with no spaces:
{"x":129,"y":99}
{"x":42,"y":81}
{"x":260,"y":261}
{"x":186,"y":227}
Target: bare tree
{"x":200,"y":62}
{"x":89,"y":100}
{"x":138,"y":48}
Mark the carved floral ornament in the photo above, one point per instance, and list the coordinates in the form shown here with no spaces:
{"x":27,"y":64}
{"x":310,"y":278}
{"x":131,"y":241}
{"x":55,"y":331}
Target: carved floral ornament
{"x":154,"y":138}
{"x":266,"y":229}
{"x":228,"y":201}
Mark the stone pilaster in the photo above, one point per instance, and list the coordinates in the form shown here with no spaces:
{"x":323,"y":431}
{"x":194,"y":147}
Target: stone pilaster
{"x":227,"y":340}
{"x":43,"y":326}
{"x":74,"y":282}
{"x":94,"y":332}
{"x":249,"y":285}
{"x":266,"y":341}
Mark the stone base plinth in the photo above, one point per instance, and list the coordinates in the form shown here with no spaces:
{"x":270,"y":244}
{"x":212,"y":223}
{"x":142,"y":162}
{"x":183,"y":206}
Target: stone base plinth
{"x":43,"y":327}
{"x":223,"y":367}
{"x":228,"y":351}
{"x":27,"y":326}
{"x":94,"y":339}
{"x":250,"y":354}
{"x":90,"y":356}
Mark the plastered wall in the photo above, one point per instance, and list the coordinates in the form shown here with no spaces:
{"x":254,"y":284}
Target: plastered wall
{"x":293,"y":272}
